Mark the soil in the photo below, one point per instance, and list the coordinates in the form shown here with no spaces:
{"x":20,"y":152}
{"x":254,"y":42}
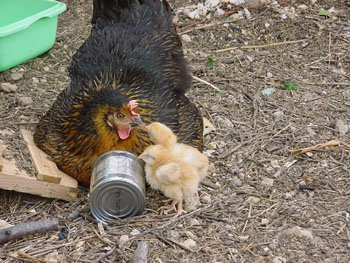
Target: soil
{"x":253,"y":209}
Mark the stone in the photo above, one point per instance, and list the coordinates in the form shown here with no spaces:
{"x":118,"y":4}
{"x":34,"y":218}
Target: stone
{"x":267,"y":182}
{"x":8,"y":87}
{"x":24,"y":101}
{"x":16,"y":76}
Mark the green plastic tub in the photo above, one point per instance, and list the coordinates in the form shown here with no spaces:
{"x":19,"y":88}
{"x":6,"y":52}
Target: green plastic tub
{"x":27,"y":29}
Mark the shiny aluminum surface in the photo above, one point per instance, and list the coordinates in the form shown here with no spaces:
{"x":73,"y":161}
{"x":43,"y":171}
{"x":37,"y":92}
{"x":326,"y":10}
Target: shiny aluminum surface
{"x":117,"y":187}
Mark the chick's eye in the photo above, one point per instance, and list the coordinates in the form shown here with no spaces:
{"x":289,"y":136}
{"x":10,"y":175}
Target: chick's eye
{"x":119,"y":115}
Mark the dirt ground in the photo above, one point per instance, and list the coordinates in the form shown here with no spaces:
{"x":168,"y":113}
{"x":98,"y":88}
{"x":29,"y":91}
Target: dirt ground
{"x":254,"y":210}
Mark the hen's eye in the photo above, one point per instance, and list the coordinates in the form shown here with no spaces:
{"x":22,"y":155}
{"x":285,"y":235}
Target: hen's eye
{"x":119,"y":115}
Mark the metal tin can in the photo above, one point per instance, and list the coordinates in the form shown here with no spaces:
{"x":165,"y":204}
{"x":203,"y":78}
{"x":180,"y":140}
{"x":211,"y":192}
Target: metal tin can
{"x":117,"y":186}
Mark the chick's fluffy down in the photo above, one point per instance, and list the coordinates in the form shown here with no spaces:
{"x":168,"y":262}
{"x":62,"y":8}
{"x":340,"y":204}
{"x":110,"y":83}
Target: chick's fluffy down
{"x":176,"y":179}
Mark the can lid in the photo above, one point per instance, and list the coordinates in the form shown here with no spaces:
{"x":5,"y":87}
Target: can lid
{"x":116,"y":199}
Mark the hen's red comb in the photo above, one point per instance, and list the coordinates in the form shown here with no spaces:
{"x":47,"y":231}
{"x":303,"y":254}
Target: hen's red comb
{"x":133,"y":105}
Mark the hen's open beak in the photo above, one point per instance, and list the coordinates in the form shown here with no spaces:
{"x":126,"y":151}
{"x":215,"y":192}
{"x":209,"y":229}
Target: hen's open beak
{"x":137,"y":122}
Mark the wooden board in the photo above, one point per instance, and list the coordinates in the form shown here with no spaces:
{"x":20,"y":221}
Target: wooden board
{"x":11,"y":178}
{"x":46,"y":169}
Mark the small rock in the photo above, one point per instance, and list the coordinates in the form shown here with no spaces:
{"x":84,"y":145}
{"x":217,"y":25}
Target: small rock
{"x":191,"y":235}
{"x":267,"y":182}
{"x":212,"y":3}
{"x":303,"y":7}
{"x":4,"y":224}
{"x":278,"y":114}
{"x":225,"y":123}
{"x":8,"y":87}
{"x":134,"y":232}
{"x":206,"y":199}
{"x":186,"y":38}
{"x":264,"y":221}
{"x":61,"y":69}
{"x":189,"y":243}
{"x":247,"y":13}
{"x":24,"y":101}
{"x":35,"y":80}
{"x":194,"y":222}
{"x":236,"y":182}
{"x":283,"y":16}
{"x":253,"y":200}
{"x":43,"y":80}
{"x":122,"y":239}
{"x":269,"y":75}
{"x":52,"y":257}
{"x":46,"y":68}
{"x":310,"y":132}
{"x":341,"y":127}
{"x":287,"y":196}
{"x":279,"y":260}
{"x":300,"y":232}
{"x":243,"y":238}
{"x":174,"y":234}
{"x":16,"y":76}
{"x":7,"y":132}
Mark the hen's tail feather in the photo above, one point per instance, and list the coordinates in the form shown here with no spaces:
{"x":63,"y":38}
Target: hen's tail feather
{"x":114,"y":9}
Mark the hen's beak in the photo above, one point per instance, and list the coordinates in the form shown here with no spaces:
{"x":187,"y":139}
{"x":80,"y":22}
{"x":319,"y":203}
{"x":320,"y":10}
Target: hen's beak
{"x":137,"y":122}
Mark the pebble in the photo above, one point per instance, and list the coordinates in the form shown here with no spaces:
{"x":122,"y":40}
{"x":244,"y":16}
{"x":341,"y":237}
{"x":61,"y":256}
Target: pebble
{"x":206,"y":199}
{"x":8,"y":87}
{"x":122,"y":239}
{"x":16,"y":76}
{"x":236,"y":182}
{"x":186,"y":38}
{"x":174,"y":234}
{"x":253,"y":200}
{"x":194,"y":222}
{"x":191,"y":235}
{"x":279,"y":259}
{"x":24,"y":101}
{"x":243,"y":238}
{"x":189,"y":243}
{"x":264,"y":221}
{"x":4,"y":224}
{"x":267,"y":182}
{"x":287,"y":196}
{"x":300,"y":232}
{"x":134,"y":232}
{"x":341,"y":127}
{"x":61,"y":69}
{"x":46,"y":68}
{"x":35,"y":80}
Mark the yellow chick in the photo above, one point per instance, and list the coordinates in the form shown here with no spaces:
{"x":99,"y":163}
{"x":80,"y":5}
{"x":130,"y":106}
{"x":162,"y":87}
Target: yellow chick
{"x":161,"y":134}
{"x":176,"y":179}
{"x":208,"y":127}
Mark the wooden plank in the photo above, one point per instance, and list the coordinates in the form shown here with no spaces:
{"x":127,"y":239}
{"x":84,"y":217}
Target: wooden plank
{"x":46,"y":169}
{"x":11,"y":178}
{"x":1,"y":152}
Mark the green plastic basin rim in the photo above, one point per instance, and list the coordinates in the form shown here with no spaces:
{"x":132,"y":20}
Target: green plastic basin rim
{"x":26,"y":22}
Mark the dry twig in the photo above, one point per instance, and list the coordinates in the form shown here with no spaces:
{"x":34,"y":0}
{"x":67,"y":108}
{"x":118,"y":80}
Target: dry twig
{"x":24,"y":229}
{"x":206,"y":83}
{"x":141,"y":252}
{"x":262,"y":46}
{"x":330,"y":144}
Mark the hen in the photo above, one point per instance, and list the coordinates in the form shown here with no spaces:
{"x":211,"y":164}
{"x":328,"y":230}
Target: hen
{"x":176,"y":179}
{"x":130,"y":67}
{"x":163,"y":135}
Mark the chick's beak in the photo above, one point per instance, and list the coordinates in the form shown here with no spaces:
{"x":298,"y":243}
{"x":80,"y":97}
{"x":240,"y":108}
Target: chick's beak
{"x":137,"y":122}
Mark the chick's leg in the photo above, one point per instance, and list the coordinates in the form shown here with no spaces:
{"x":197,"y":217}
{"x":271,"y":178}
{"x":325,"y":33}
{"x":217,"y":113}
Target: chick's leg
{"x":179,"y":209}
{"x":171,"y":207}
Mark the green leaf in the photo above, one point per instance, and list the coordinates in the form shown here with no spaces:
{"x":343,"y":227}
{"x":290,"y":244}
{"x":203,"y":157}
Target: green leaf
{"x":290,"y":85}
{"x":325,"y":13}
{"x":55,"y":200}
{"x":209,"y":63}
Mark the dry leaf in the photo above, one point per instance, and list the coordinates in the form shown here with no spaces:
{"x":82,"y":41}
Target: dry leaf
{"x":331,"y":144}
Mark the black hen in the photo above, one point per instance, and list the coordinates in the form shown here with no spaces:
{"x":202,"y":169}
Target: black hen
{"x":130,"y":67}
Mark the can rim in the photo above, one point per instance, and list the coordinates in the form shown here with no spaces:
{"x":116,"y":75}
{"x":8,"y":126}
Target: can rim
{"x":121,"y":153}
